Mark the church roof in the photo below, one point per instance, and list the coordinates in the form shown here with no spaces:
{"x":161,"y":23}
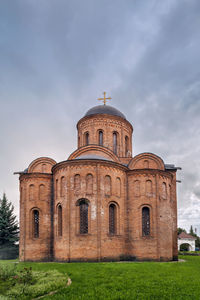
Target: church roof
{"x":184,"y":235}
{"x":104,"y":109}
{"x":92,"y":156}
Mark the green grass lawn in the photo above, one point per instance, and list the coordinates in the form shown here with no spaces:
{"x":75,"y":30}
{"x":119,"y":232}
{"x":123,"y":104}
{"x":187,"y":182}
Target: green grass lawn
{"x":147,"y":280}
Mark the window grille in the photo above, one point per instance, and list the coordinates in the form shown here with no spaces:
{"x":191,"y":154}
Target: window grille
{"x":83,"y":217}
{"x":59,"y":220}
{"x":36,"y":224}
{"x":145,"y":221}
{"x":112,"y":219}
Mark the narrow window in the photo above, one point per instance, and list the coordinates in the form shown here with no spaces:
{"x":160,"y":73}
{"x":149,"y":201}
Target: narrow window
{"x":112,"y":219}
{"x":149,"y":188}
{"x":126,"y":146}
{"x":41,"y":192}
{"x":115,"y":142}
{"x":86,"y":138}
{"x":118,"y":187}
{"x":31,"y":192}
{"x":107,"y":185}
{"x":83,"y":217}
{"x":77,"y":184}
{"x":136,"y":188}
{"x":44,"y":168}
{"x":89,"y":184}
{"x":170,"y":192}
{"x":56,"y":188}
{"x":145,"y":221}
{"x":35,"y":223}
{"x":59,"y":220}
{"x":146,"y":164}
{"x":78,"y":141}
{"x":62,"y":186}
{"x":100,"y":137}
{"x":164,"y":190}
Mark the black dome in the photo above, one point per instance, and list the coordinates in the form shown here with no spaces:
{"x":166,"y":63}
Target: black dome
{"x":104,"y":109}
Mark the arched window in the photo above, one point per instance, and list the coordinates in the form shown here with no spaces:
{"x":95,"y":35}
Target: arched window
{"x":164,"y":190}
{"x":59,"y":210}
{"x":126,"y":145}
{"x":62,"y":186}
{"x":83,"y":216}
{"x":41,"y":192}
{"x":89,"y":184}
{"x":149,"y":188}
{"x":112,"y":219}
{"x":136,"y":186}
{"x":77,"y":183}
{"x":36,"y":220}
{"x":100,"y":137}
{"x":118,"y":187}
{"x":115,"y":142}
{"x":145,"y":221}
{"x":31,"y":192}
{"x":87,"y":138}
{"x":107,"y":185}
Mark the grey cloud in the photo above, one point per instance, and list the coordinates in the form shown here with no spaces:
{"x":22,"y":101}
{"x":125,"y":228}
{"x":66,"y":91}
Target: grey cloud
{"x":57,"y":57}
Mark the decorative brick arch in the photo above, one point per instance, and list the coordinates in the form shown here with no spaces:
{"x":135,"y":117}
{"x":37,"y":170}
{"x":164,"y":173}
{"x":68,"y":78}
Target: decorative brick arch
{"x":146,"y":160}
{"x":37,"y":165}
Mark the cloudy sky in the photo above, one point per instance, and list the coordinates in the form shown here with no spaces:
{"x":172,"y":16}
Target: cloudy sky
{"x":58,"y":56}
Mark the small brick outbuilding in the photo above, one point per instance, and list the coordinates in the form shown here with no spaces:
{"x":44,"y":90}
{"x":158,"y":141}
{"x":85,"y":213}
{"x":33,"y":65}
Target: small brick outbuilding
{"x":100,"y":204}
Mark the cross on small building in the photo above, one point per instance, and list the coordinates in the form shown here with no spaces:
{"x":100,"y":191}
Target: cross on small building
{"x":104,"y":98}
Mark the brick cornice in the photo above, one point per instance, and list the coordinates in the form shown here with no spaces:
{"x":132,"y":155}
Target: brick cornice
{"x":107,"y":117}
{"x":34,"y":175}
{"x":149,"y":172}
{"x":91,"y":162}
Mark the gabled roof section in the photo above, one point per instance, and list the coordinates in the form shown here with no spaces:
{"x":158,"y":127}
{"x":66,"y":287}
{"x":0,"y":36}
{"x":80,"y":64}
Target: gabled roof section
{"x":184,"y":235}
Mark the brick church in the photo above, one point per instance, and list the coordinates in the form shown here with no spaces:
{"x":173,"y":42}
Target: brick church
{"x":101,"y":204}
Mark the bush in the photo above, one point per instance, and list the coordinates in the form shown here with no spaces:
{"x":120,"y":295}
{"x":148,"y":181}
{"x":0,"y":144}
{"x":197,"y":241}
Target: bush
{"x":7,"y":271}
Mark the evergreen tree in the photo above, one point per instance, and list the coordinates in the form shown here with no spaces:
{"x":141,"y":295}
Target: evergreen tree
{"x":192,"y":231}
{"x":9,"y":230}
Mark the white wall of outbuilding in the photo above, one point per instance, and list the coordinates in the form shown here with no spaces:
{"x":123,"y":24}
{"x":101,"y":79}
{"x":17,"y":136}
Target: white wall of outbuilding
{"x":191,"y":243}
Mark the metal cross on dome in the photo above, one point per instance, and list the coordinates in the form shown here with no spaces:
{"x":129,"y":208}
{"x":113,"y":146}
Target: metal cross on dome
{"x":104,"y":98}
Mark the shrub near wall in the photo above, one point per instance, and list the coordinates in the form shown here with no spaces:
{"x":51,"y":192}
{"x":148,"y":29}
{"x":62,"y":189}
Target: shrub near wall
{"x":9,"y":252}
